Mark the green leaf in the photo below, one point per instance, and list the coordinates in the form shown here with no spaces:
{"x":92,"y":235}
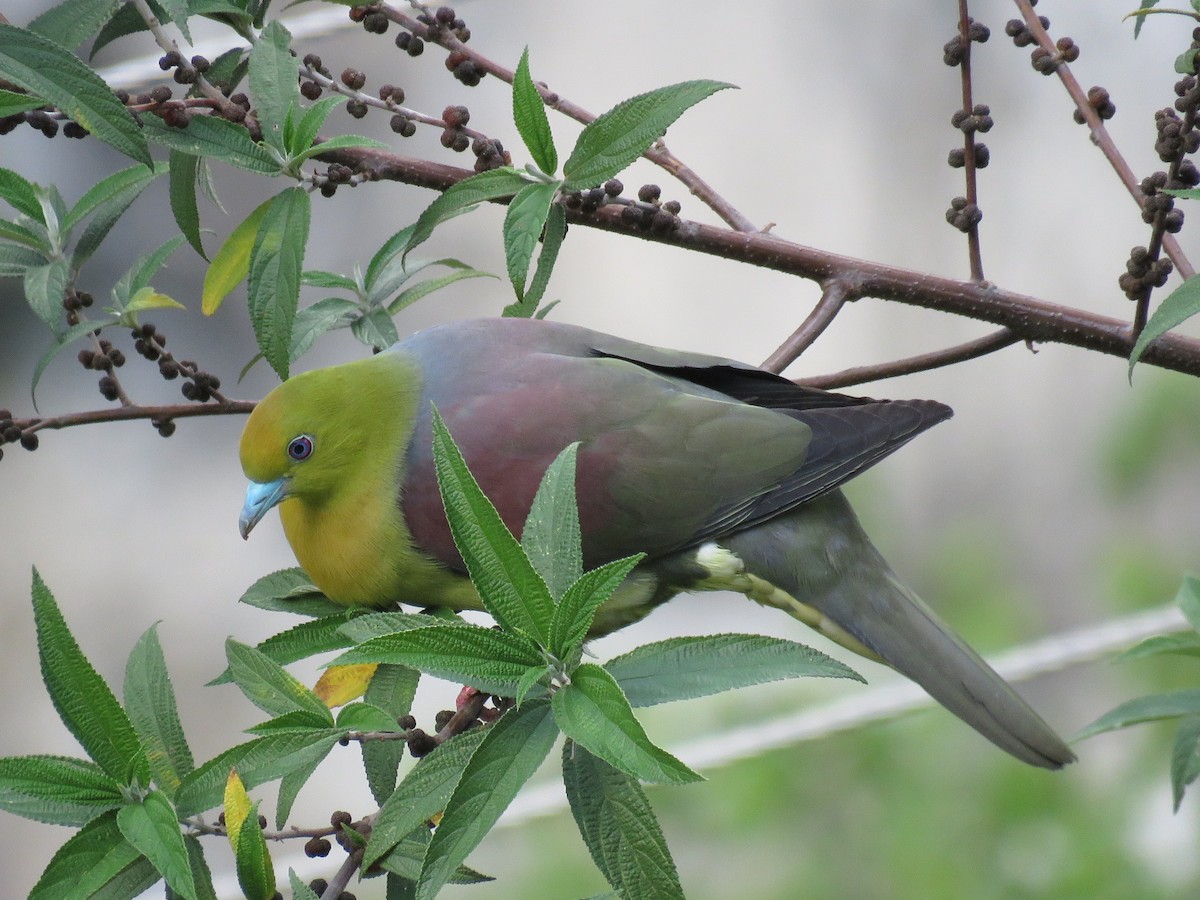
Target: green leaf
{"x":618,"y":137}
{"x":44,"y":286}
{"x":184,"y":170}
{"x":179,"y":10}
{"x":137,"y":279}
{"x":276,"y":262}
{"x":255,"y":873}
{"x":273,"y":84}
{"x":50,"y":71}
{"x":386,"y":257}
{"x":257,"y":762}
{"x":297,"y":721}
{"x":373,"y":625}
{"x":150,"y":704}
{"x":83,"y":701}
{"x":74,"y":21}
{"x":328,"y":280}
{"x":337,"y":142}
{"x":490,"y":185}
{"x":291,"y":591}
{"x":213,"y":138}
{"x":106,"y":203}
{"x":153,"y":829}
{"x":510,"y":588}
{"x":553,"y":234}
{"x":365,"y":716}
{"x":269,"y":686}
{"x":289,"y":788}
{"x":232,"y":262}
{"x":16,"y":262}
{"x":299,"y":642}
{"x":492,"y":661}
{"x":523,"y":224}
{"x":686,"y":667}
{"x":575,"y":611}
{"x":406,"y":857}
{"x":409,"y":296}
{"x":619,"y":827}
{"x":1188,"y":599}
{"x":1185,"y":758}
{"x":1181,"y":304}
{"x":593,"y":712}
{"x":529,"y":113}
{"x":201,"y":875}
{"x":57,"y":790}
{"x":375,"y":329}
{"x":392,"y":689}
{"x":97,"y":861}
{"x":313,"y":321}
{"x":511,"y":751}
{"x":422,"y":794}
{"x":1170,"y":705}
{"x":1185,"y":644}
{"x":300,"y":890}
{"x":12,"y":103}
{"x":20,"y":195}
{"x":18,"y":233}
{"x":62,"y":341}
{"x":550,"y":537}
{"x":310,"y":123}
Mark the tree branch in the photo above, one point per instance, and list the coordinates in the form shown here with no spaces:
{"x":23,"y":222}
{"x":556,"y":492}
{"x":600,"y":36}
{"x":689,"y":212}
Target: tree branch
{"x":837,"y":291}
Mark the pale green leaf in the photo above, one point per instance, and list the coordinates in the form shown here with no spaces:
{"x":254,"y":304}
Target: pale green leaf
{"x":273,"y":81}
{"x":153,"y":829}
{"x":551,"y":537}
{"x":150,"y":703}
{"x":1180,"y":305}
{"x":523,"y":224}
{"x":529,"y":113}
{"x":1170,"y":705}
{"x":276,"y":261}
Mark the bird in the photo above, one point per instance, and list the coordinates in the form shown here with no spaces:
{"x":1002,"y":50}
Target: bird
{"x":723,"y":474}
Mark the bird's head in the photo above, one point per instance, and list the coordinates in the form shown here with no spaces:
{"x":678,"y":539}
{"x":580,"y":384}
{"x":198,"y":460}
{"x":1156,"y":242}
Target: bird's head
{"x":307,"y":438}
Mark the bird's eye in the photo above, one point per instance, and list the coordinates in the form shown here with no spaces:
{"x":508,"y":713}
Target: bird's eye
{"x":300,"y":448}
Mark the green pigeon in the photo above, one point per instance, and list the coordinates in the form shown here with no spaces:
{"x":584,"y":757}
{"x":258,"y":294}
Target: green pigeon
{"x":726,"y":476}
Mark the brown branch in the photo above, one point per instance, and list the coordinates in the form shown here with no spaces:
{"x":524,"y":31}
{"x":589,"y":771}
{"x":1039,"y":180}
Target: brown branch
{"x":997,"y":340}
{"x":659,"y":154}
{"x":341,"y":880}
{"x":132,"y":412}
{"x":834,"y":296}
{"x":1028,"y":317}
{"x":970,"y":166}
{"x":1100,"y":135}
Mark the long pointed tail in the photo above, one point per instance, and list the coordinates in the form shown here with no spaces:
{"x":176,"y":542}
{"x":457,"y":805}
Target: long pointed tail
{"x":820,"y":556}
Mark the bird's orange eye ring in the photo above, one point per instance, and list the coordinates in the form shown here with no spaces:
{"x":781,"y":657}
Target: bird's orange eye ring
{"x":300,"y":448}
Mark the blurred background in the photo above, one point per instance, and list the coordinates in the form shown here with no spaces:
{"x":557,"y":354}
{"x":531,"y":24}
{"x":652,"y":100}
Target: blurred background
{"x":1059,"y":496}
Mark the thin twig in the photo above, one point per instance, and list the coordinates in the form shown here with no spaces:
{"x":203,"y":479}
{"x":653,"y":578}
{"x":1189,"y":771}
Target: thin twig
{"x":990,"y":343}
{"x":1100,"y":135}
{"x":659,"y":154}
{"x":969,"y":161}
{"x":835,"y":294}
{"x":339,"y":882}
{"x":130,"y":413}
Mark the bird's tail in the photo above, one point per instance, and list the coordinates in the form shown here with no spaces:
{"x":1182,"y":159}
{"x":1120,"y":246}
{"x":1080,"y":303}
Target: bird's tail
{"x":826,"y":572}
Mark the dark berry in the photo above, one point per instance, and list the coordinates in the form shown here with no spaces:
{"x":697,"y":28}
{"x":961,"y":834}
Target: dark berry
{"x":29,"y":440}
{"x":648,"y":193}
{"x":353,"y":79}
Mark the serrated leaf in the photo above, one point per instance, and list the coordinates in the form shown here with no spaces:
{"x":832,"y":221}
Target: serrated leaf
{"x":273,"y":84}
{"x":12,"y":103}
{"x":1180,"y":305}
{"x":337,"y":142}
{"x":490,"y":185}
{"x":409,"y":296}
{"x":148,"y":298}
{"x":201,"y":874}
{"x":310,"y":123}
{"x":300,"y":890}
{"x":289,"y":789}
{"x":686,"y":667}
{"x":255,"y":873}
{"x":1170,"y":705}
{"x":213,"y":138}
{"x":327,"y":280}
{"x":109,"y":190}
{"x":367,"y":718}
{"x":338,"y":685}
{"x":232,"y":262}
{"x":50,"y":71}
{"x":96,"y":857}
{"x":510,"y":588}
{"x":553,"y":234}
{"x":179,"y":10}
{"x":150,"y":704}
{"x":375,"y":329}
{"x":106,"y":214}
{"x":292,"y":591}
{"x":512,"y":749}
{"x":1185,"y":758}
{"x":313,"y":321}
{"x":83,"y":701}
{"x":184,"y":170}
{"x":19,"y":234}
{"x":523,"y":224}
{"x":20,"y":195}
{"x":492,"y":661}
{"x":153,"y":829}
{"x":594,"y":713}
{"x":298,"y":721}
{"x":74,"y":21}
{"x":392,"y":689}
{"x":529,"y":113}
{"x":405,"y":860}
{"x":618,"y":137}
{"x":147,"y":267}
{"x":619,"y":827}
{"x":422,"y":794}
{"x":16,"y":261}
{"x":373,"y":625}
{"x":44,"y":286}
{"x":551,"y":537}
{"x":268,"y":685}
{"x":258,"y":761}
{"x":300,"y":642}
{"x":577,"y":608}
{"x":273,"y":282}
{"x":57,"y":790}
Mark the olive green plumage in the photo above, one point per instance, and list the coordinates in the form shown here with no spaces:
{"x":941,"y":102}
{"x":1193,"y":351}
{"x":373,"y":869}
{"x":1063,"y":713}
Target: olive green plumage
{"x":726,"y":476}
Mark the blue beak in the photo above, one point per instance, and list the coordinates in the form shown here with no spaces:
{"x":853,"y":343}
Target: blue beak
{"x":259,"y":499}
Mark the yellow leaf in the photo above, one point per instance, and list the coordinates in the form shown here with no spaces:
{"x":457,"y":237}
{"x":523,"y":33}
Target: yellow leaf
{"x":148,"y":298}
{"x":339,"y":685}
{"x":237,"y":807}
{"x":232,"y":262}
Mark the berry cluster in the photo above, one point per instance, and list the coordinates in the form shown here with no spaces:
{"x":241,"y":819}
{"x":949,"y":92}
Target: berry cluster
{"x":73,"y":301}
{"x":963,"y":214}
{"x":955,"y":49}
{"x":185,"y":72}
{"x":1098,"y":100}
{"x":11,"y":433}
{"x":1020,"y":33}
{"x":45,"y":120}
{"x":319,"y":885}
{"x":105,"y":360}
{"x":489,"y":154}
